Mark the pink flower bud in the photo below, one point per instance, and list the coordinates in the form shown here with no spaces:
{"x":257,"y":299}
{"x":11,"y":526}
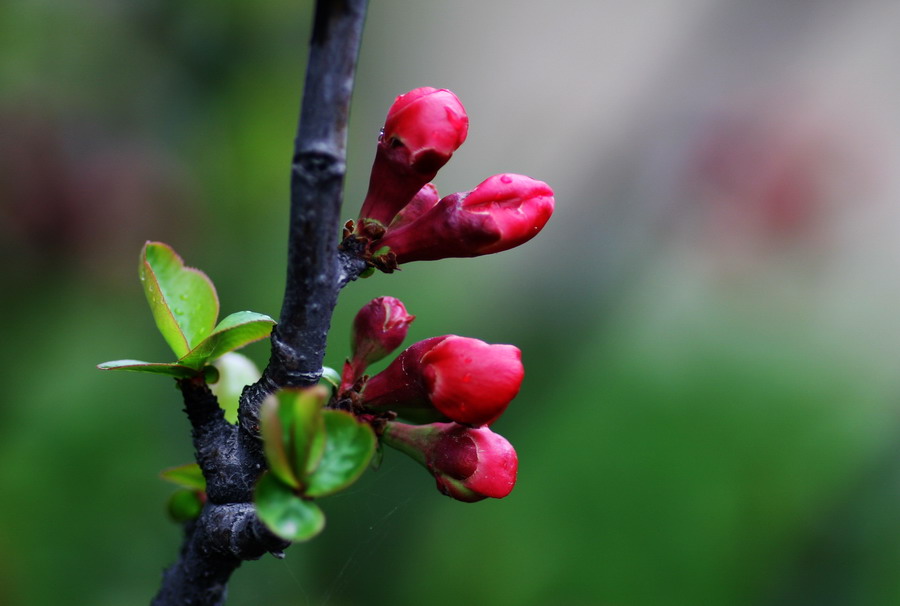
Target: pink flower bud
{"x":423,"y":129}
{"x":468,"y":463}
{"x":378,"y":329}
{"x":421,"y":203}
{"x":449,"y":377}
{"x":501,"y":213}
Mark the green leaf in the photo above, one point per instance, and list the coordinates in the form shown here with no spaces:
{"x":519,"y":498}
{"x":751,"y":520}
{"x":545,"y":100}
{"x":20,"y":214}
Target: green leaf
{"x":173,"y":370}
{"x":316,"y":450}
{"x":186,"y":476}
{"x":331,"y":377}
{"x":349,"y":446}
{"x":307,"y":431}
{"x":185,"y":505}
{"x":183,"y":299}
{"x":275,"y":441}
{"x":286,"y":514}
{"x":233,"y":332}
{"x":235,"y":372}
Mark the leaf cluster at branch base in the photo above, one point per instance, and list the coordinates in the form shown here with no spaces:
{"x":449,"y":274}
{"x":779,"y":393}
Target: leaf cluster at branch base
{"x":185,"y":306}
{"x":312,"y":453}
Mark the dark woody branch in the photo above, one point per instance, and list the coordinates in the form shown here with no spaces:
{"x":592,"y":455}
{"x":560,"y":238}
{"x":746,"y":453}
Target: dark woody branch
{"x":317,"y":180}
{"x":228,"y":530}
{"x":315,"y":274}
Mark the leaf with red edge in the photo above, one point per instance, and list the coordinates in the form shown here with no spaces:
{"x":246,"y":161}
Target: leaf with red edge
{"x":182,"y":299}
{"x":173,"y":370}
{"x":275,"y":441}
{"x":233,"y":332}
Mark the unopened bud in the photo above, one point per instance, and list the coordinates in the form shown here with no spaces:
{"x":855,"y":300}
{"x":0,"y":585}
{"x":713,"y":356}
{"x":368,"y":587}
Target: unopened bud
{"x":422,"y":130}
{"x":421,"y":203}
{"x":501,"y":213}
{"x":449,"y":377}
{"x":469,"y":464}
{"x":378,"y":329}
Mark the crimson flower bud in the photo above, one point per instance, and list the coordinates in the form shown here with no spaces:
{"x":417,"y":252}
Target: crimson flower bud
{"x":378,"y":329}
{"x":423,"y":129}
{"x":421,"y":203}
{"x":468,"y":463}
{"x":501,"y":213}
{"x":449,"y":377}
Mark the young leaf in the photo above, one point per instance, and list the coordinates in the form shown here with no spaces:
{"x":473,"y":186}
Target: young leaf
{"x":173,"y":370}
{"x":186,"y":476}
{"x":275,"y":441}
{"x":286,"y":514}
{"x":307,"y":428}
{"x":185,"y":505}
{"x":349,"y":446}
{"x":330,"y":377}
{"x":316,"y":450}
{"x":183,"y":299}
{"x":235,"y":371}
{"x":233,"y":332}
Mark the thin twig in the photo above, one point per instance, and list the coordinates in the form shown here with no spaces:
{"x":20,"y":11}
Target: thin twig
{"x":228,"y":530}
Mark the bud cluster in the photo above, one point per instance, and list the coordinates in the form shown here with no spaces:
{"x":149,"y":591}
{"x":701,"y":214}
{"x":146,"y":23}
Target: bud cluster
{"x":437,"y":399}
{"x":404,"y":219}
{"x":450,"y":387}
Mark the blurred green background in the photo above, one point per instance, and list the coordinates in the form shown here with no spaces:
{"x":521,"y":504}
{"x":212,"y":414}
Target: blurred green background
{"x":709,"y":321}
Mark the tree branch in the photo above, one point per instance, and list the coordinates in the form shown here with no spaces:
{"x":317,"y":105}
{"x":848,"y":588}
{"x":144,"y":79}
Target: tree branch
{"x":317,"y":180}
{"x":315,"y":274}
{"x":214,"y":546}
{"x":231,"y":458}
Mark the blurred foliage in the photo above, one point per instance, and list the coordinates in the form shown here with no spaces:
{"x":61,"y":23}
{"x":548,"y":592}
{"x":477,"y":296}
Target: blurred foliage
{"x":709,"y":414}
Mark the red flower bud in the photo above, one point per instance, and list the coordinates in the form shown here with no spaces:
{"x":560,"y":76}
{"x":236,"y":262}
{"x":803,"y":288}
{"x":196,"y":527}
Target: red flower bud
{"x":423,"y":129}
{"x":449,"y":377}
{"x":421,"y":203}
{"x":502,"y":212}
{"x":378,"y":329}
{"x":468,"y":463}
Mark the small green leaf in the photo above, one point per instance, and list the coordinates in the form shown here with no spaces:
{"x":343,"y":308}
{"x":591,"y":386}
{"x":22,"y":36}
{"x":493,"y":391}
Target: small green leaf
{"x":183,"y":299}
{"x":185,"y":505}
{"x":173,"y":370}
{"x":349,"y":446}
{"x":287,"y":515}
{"x":331,"y":377}
{"x":233,"y":332}
{"x":186,"y":476}
{"x":235,"y":372}
{"x":275,"y":441}
{"x":316,"y":450}
{"x":307,"y":426}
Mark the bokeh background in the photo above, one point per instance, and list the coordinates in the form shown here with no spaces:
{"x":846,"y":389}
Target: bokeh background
{"x":709,"y":322}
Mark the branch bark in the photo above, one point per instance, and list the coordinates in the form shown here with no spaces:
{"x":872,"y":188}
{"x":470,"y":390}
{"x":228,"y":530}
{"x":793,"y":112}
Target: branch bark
{"x":228,"y":531}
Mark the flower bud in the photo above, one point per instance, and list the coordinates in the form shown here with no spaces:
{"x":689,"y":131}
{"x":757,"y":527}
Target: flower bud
{"x":421,"y":203}
{"x":501,"y":213}
{"x":423,"y":129}
{"x":378,"y":329}
{"x":449,"y":377}
{"x":468,"y":463}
